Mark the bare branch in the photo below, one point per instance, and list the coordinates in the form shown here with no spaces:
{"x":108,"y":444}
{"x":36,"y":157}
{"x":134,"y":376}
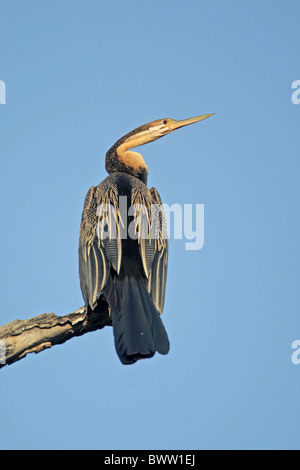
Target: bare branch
{"x":21,"y":337}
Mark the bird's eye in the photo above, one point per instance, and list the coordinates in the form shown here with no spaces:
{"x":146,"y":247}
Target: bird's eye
{"x":165,"y":121}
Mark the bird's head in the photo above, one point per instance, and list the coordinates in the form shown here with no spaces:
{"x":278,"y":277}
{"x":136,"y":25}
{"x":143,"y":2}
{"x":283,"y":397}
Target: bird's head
{"x":156,"y":129}
{"x":121,"y":158}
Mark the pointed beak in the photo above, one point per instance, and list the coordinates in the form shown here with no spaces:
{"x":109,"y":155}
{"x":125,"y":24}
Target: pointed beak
{"x":185,"y":122}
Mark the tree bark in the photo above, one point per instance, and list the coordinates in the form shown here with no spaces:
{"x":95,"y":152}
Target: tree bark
{"x":21,"y":337}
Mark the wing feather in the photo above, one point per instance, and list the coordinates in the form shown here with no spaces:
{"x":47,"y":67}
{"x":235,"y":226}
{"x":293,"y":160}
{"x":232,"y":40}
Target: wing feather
{"x":158,"y":279}
{"x":98,"y":249}
{"x":154,"y":247}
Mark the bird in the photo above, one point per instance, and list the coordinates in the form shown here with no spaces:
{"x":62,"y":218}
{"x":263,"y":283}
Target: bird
{"x":123,"y":253}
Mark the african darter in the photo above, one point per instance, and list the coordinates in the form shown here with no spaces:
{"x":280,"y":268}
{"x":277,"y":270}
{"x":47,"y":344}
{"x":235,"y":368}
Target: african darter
{"x":122,"y":274}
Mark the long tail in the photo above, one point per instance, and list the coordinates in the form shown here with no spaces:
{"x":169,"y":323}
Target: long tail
{"x":138,"y":329}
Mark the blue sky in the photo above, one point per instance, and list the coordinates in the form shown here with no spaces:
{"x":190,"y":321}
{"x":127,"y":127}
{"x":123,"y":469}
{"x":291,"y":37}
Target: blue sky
{"x":79,"y":75}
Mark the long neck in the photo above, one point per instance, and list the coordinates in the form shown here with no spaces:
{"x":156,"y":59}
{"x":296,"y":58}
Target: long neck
{"x":120,"y":158}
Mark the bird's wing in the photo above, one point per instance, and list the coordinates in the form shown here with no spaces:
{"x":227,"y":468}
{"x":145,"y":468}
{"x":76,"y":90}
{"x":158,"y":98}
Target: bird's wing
{"x":158,"y":276}
{"x":99,"y":244}
{"x":153,"y":241}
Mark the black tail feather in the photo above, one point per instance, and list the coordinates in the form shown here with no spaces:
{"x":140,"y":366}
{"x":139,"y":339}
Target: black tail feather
{"x":138,"y":329}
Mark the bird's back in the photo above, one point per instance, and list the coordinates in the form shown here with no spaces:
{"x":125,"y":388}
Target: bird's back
{"x":117,"y":268}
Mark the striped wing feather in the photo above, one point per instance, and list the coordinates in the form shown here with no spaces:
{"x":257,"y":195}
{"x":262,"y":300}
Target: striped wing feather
{"x":154,"y":249}
{"x":97,"y":253}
